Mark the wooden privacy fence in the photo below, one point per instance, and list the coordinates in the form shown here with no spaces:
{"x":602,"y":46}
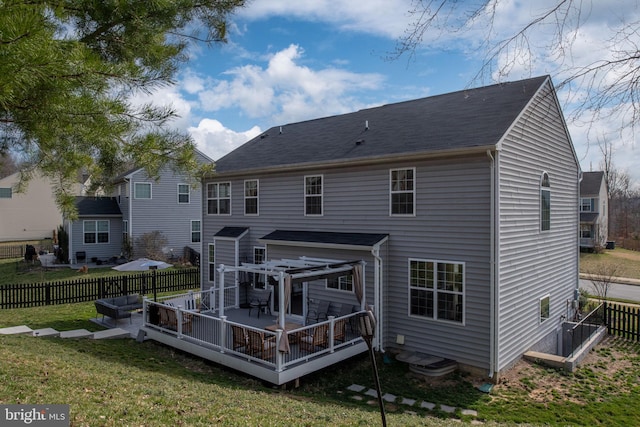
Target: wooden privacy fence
{"x":623,"y":321}
{"x":90,"y":289}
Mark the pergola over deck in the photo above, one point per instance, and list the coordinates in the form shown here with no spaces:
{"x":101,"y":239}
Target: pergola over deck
{"x":208,"y":333}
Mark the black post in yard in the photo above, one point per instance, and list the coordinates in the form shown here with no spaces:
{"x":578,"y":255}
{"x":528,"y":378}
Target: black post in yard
{"x":153,"y":281}
{"x":367,"y":328}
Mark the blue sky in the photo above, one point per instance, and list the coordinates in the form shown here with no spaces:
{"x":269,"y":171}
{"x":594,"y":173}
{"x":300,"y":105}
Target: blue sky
{"x":287,"y":61}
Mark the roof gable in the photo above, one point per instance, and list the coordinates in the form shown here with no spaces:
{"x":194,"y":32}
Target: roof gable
{"x":591,"y":182}
{"x":474,"y":118}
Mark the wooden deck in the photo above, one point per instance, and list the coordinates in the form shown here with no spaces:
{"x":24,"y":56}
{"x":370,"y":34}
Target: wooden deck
{"x":208,"y":335}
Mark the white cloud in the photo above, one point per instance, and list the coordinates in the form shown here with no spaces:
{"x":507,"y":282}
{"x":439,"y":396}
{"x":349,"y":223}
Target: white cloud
{"x":285,"y":91}
{"x":215,"y":140}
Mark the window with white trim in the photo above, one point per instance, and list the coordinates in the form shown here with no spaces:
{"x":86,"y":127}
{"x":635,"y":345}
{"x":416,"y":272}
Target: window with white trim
{"x":195,"y":231}
{"x":259,"y":256}
{"x":436,"y":289}
{"x":142,"y":190}
{"x":184,"y":192}
{"x":402,"y":187}
{"x":251,"y":197}
{"x":545,"y":308}
{"x":219,"y":198}
{"x":341,"y":283}
{"x":212,"y":262}
{"x":313,"y":195}
{"x":545,"y":202}
{"x":96,"y":231}
{"x":586,"y":231}
{"x":6,"y":193}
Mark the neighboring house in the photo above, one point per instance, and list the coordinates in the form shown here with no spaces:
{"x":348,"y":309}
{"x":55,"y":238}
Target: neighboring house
{"x":31,"y":215}
{"x":594,"y":217}
{"x":461,"y":205}
{"x":171,"y":205}
{"x":97,"y":233}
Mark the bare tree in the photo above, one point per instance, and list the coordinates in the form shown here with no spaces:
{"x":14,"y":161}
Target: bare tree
{"x":152,"y":245}
{"x":599,"y":88}
{"x":601,"y":278}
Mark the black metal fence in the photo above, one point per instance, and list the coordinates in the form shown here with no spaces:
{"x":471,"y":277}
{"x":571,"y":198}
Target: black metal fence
{"x":90,"y":289}
{"x":623,"y":321}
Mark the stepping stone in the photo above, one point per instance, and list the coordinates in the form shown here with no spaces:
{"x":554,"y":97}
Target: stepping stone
{"x":77,"y":333}
{"x":448,"y":409}
{"x":111,"y":334}
{"x":406,"y":401}
{"x":356,"y":397}
{"x":428,"y":405}
{"x":356,"y":388}
{"x":371,"y":392}
{"x":46,"y":332}
{"x":470,"y":412}
{"x":388,"y":397}
{"x":14,"y":330}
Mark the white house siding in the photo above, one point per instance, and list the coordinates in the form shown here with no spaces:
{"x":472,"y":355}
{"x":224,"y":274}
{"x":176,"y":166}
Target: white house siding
{"x":163,"y":212}
{"x":534,"y":263}
{"x":452,"y":224}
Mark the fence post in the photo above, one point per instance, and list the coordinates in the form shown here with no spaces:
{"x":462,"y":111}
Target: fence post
{"x":101,"y":287}
{"x":47,"y":294}
{"x":125,"y":288}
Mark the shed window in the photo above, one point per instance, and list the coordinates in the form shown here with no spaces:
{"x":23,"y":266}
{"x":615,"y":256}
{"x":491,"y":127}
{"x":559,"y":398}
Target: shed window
{"x":436,"y":289}
{"x":545,"y":203}
{"x":96,"y":231}
{"x":402,"y":191}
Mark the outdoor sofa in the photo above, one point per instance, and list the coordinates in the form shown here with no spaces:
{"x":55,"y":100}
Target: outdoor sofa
{"x":118,"y":307}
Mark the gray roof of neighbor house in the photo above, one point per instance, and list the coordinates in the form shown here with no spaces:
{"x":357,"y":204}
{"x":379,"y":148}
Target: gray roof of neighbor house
{"x":97,"y":206}
{"x":590,"y":184}
{"x":473,"y":118}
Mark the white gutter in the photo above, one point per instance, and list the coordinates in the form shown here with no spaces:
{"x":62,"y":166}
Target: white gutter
{"x":377,"y":274}
{"x":493,"y":263}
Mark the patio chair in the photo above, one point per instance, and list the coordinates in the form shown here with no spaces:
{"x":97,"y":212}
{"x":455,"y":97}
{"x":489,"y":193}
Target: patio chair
{"x":172,"y":321}
{"x":317,"y":312}
{"x":260,"y":346}
{"x":164,"y":316}
{"x":316,"y":338}
{"x":240,"y":338}
{"x":339,"y":330}
{"x":260,"y":299}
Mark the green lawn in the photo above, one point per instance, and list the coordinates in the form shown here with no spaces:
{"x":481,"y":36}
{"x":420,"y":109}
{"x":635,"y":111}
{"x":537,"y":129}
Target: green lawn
{"x":123,"y":382}
{"x":625,"y":262}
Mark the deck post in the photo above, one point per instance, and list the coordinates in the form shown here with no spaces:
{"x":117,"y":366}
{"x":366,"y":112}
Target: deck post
{"x":331,"y":320}
{"x":279,"y":354}
{"x":221,"y":290}
{"x":223,"y":335}
{"x":179,"y":322}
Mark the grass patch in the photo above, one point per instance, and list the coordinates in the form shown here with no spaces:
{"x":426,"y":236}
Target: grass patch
{"x":626,"y":262}
{"x":123,"y":382}
{"x":11,"y":274}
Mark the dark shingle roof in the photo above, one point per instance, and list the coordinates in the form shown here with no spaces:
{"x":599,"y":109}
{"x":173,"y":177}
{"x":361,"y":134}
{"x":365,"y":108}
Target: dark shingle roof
{"x":97,"y":206}
{"x":231,"y":232}
{"x":590,"y":184}
{"x":460,"y":120}
{"x":326,"y":237}
{"x":589,"y":217}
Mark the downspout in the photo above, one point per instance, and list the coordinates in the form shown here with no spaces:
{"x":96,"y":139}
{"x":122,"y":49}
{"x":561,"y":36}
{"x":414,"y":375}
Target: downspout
{"x":377,"y":268}
{"x":493,"y":259}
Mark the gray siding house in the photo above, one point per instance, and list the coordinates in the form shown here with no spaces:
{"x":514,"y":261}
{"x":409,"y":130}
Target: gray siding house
{"x":170,"y":204}
{"x":594,"y":213}
{"x":462,"y":207}
{"x":97,"y":233}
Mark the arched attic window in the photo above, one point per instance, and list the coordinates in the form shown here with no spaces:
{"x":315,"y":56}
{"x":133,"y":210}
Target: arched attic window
{"x":545,"y":202}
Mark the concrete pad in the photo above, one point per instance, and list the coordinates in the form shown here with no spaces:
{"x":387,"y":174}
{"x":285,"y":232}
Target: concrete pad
{"x":15,"y":330}
{"x":111,"y":334}
{"x":356,"y":388}
{"x":46,"y":332}
{"x":77,"y":333}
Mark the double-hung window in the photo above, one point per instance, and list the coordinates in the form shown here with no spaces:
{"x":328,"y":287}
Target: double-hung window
{"x":436,"y":289}
{"x":545,"y":202}
{"x":313,"y":195}
{"x":545,"y":308}
{"x":259,"y":256}
{"x":341,"y":283}
{"x":96,"y":231}
{"x":251,"y":197}
{"x":212,"y":262}
{"x":142,"y":190}
{"x":402,"y":193}
{"x":195,"y":231}
{"x":588,"y":204}
{"x":183,"y":193}
{"x":219,"y":198}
